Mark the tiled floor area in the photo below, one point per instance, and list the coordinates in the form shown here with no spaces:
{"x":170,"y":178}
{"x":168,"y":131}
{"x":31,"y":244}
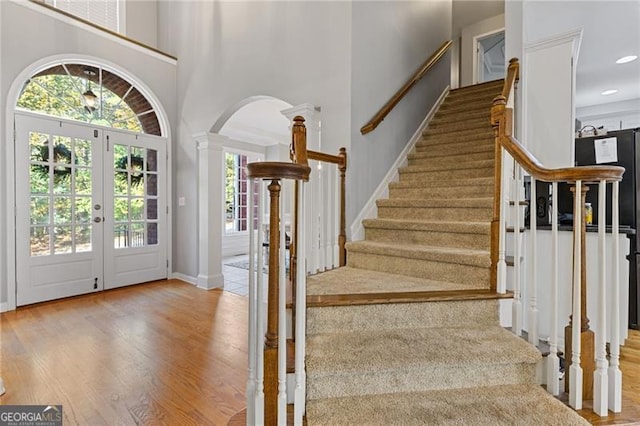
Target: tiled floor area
{"x":236,"y":280}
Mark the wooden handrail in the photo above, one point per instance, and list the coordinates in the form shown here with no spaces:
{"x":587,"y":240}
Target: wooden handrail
{"x":386,"y":109}
{"x":502,"y":122}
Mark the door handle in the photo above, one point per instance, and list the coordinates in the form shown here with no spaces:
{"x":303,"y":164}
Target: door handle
{"x":97,"y":207}
{"x":97,"y":219}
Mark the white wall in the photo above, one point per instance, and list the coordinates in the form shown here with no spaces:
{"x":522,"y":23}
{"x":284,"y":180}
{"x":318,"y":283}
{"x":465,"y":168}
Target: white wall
{"x":141,"y":21}
{"x":613,"y":115}
{"x":45,"y":37}
{"x":390,"y":42}
{"x":347,"y":58}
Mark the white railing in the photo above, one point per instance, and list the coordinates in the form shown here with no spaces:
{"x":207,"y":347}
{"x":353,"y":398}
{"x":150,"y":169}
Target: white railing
{"x":542,"y":302}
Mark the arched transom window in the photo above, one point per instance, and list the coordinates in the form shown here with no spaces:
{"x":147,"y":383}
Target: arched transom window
{"x":90,"y":94}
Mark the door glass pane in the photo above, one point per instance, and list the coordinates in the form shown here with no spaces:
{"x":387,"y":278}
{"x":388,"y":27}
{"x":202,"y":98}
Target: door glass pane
{"x":39,"y":144}
{"x":137,"y":235}
{"x":152,"y":208}
{"x":62,"y":149}
{"x":62,"y":210}
{"x":83,"y":181}
{"x":152,"y":160}
{"x":83,"y":152}
{"x":39,"y":177}
{"x":120,"y":156}
{"x":83,"y":209}
{"x":136,"y":211}
{"x":83,"y":238}
{"x":61,"y":180}
{"x":120,"y":183}
{"x":152,"y":233}
{"x":39,"y":241}
{"x":137,"y":184}
{"x":39,"y":211}
{"x":137,"y":159}
{"x":121,"y":236}
{"x":152,"y":184}
{"x":62,"y":241}
{"x":121,"y":209}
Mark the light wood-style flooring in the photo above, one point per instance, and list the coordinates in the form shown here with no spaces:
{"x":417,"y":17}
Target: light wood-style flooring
{"x":163,"y":353}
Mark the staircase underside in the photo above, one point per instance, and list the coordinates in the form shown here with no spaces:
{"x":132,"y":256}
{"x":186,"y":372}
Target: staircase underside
{"x":408,"y":333}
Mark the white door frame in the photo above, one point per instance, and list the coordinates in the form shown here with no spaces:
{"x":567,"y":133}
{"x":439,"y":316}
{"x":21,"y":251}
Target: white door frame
{"x":11,"y":101}
{"x":476,"y":40}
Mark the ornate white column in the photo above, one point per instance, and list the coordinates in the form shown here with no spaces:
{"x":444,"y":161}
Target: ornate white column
{"x":210,"y":198}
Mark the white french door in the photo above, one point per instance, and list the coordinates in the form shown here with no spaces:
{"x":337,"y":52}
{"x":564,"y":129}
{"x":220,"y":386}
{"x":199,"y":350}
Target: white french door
{"x":90,"y":208}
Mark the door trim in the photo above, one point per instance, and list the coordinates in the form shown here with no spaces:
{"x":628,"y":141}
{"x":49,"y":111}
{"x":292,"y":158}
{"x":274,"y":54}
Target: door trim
{"x":8,"y":234}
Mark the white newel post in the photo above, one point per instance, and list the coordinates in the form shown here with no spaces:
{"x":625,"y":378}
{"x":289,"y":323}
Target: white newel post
{"x":313,"y":194}
{"x":210,"y":187}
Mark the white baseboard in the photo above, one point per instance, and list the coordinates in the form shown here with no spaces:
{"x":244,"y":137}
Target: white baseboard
{"x":185,"y":278}
{"x":4,"y":306}
{"x":209,"y":282}
{"x":370,"y":210}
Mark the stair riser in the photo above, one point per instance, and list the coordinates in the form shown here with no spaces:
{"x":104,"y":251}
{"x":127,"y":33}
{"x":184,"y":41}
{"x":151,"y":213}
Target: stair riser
{"x":439,"y":271}
{"x":462,"y":129}
{"x":417,"y":379}
{"x":445,"y":175}
{"x":431,"y":238}
{"x":485,"y":93}
{"x":448,"y":148}
{"x":423,"y":159}
{"x":460,"y":124}
{"x":430,"y":166}
{"x":471,"y":214}
{"x":459,"y":106}
{"x":461,"y":114}
{"x":340,"y":319}
{"x":420,"y":192}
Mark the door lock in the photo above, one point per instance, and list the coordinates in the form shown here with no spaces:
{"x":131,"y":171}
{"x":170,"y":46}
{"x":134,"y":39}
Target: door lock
{"x":97,"y":219}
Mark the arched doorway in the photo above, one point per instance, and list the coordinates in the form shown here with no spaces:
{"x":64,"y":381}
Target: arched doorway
{"x":91,"y":178}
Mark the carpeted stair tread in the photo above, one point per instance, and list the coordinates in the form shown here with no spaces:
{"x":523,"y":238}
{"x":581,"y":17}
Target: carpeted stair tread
{"x":460,"y":256}
{"x":482,"y":131}
{"x":412,"y":348}
{"x":460,"y":147}
{"x":506,"y":405}
{"x":357,"y":281}
{"x":456,"y":116}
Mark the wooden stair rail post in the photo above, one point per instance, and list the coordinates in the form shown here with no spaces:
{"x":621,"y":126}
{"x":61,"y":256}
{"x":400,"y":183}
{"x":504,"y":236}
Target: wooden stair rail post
{"x":417,"y":76}
{"x":342,"y":237}
{"x":274,"y":350}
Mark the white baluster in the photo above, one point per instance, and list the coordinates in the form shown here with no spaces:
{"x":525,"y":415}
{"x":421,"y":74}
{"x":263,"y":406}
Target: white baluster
{"x":327,"y":218}
{"x":517,"y":290}
{"x":553,"y":362}
{"x":575,"y":383}
{"x":600,"y":378}
{"x":336,"y":216}
{"x":260,"y":311}
{"x":301,"y":313}
{"x":501,"y":286}
{"x":615,"y":375}
{"x":533,"y":287}
{"x":315,"y":223}
{"x":282,"y":319}
{"x":321,"y":217}
{"x":253,"y":322}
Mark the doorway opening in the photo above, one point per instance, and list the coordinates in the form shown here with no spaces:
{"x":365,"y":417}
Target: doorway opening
{"x":490,"y":57}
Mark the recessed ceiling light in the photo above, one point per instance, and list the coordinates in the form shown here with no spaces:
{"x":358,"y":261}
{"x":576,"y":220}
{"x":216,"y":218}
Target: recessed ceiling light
{"x":626,"y":59}
{"x":609,"y":92}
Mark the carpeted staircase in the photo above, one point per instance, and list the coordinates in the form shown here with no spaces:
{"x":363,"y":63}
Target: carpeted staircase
{"x":408,"y":333}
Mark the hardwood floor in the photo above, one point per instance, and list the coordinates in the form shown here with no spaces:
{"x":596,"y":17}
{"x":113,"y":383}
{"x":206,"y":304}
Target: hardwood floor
{"x":159,"y":353}
{"x":163,"y":353}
